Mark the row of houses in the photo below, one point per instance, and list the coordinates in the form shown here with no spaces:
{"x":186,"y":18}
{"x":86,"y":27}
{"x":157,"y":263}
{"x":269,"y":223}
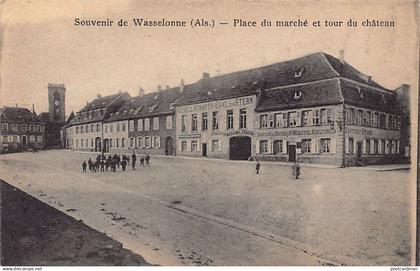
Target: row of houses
{"x":315,"y":109}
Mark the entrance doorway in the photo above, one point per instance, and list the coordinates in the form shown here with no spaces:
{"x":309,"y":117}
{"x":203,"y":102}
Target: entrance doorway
{"x":97,"y":144}
{"x":204,"y":149}
{"x":169,"y":146}
{"x":24,"y":140}
{"x":239,"y":148}
{"x":292,"y":153}
{"x":359,"y":150}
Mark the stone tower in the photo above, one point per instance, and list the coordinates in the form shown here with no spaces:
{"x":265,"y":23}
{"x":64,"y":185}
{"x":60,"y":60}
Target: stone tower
{"x":56,"y":103}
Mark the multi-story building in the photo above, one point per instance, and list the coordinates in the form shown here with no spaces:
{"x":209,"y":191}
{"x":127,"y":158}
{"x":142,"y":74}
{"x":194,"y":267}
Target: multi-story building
{"x":85,"y":130}
{"x":20,"y":129}
{"x":214,"y":117}
{"x":315,"y":109}
{"x":144,"y":124}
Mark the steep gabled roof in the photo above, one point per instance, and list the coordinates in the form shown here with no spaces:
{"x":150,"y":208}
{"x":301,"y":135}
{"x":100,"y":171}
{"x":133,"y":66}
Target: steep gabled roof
{"x":309,"y":68}
{"x":149,"y":104}
{"x":18,"y":114}
{"x":101,"y":102}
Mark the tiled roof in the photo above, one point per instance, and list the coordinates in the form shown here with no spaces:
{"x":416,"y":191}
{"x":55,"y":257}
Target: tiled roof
{"x":149,"y":104}
{"x":18,"y":114}
{"x":101,"y":102}
{"x":366,"y":97}
{"x":307,"y":95}
{"x":327,"y":92}
{"x":313,"y":67}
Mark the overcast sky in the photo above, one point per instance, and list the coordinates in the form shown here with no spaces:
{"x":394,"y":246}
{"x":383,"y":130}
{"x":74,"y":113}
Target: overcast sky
{"x":41,"y":44}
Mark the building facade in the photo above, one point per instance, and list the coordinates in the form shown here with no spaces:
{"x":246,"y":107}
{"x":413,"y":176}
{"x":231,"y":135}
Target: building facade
{"x":20,"y":129}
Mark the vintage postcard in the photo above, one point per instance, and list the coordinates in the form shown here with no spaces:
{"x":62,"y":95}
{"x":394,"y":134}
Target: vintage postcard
{"x":208,"y":133}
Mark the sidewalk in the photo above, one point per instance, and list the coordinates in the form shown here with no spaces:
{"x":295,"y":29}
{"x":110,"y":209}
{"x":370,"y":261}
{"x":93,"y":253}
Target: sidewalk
{"x":390,"y":167}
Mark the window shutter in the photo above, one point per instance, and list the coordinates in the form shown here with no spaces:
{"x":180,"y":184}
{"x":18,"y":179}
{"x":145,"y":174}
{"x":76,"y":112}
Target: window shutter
{"x":313,"y":145}
{"x":158,"y":141}
{"x":299,"y":118}
{"x":257,"y":146}
{"x":310,"y":121}
{"x":284,"y":146}
{"x":333,"y":145}
{"x":347,"y":145}
{"x":398,"y":147}
{"x":364,"y":146}
{"x":270,"y":145}
{"x":198,"y":145}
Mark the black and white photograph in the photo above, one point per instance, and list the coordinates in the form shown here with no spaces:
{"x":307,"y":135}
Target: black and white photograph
{"x":208,"y":133}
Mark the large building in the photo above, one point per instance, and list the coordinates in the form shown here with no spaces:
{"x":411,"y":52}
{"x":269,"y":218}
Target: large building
{"x":85,"y":131}
{"x":315,"y":109}
{"x":20,"y":129}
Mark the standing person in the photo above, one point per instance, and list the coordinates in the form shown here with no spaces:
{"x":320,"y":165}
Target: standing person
{"x":84,"y":167}
{"x":118,"y":161}
{"x":102,"y":163}
{"x":257,"y":167}
{"x":133,"y":161}
{"x":90,"y":165}
{"x":113,"y":161}
{"x":107,"y":163}
{"x":96,"y":165}
{"x":142,"y":161}
{"x":147,"y":160}
{"x":123,"y":164}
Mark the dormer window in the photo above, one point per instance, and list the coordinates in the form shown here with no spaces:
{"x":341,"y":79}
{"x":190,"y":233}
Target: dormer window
{"x":299,"y":71}
{"x":297,"y":95}
{"x":209,"y":92}
{"x":360,"y":92}
{"x":152,"y":108}
{"x":171,"y":105}
{"x":156,"y":96}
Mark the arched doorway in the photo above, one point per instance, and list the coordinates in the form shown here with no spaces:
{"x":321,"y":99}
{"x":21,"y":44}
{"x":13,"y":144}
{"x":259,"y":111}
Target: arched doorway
{"x":169,"y":146}
{"x":97,"y":144}
{"x":239,"y":148}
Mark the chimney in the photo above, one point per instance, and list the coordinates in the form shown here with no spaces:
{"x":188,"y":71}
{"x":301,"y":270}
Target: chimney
{"x":341,"y":52}
{"x":33,"y":109}
{"x":98,"y":95}
{"x":167,"y":87}
{"x":159,"y":88}
{"x":16,"y":106}
{"x":141,"y":92}
{"x":206,"y":75}
{"x":181,"y":86}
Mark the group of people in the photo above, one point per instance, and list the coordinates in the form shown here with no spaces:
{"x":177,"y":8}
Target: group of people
{"x":112,"y":162}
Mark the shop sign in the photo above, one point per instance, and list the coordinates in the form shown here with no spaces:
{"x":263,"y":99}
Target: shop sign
{"x":296,"y":132}
{"x":214,"y":105}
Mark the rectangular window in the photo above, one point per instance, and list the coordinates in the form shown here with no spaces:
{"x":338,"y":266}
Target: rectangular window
{"x":184,"y":146}
{"x":194,"y":122}
{"x":367,"y":146}
{"x":122,"y":142}
{"x":306,"y":145}
{"x":169,"y":122}
{"x":183,"y":124}
{"x":292,"y":118}
{"x":123,"y":127}
{"x":323,"y":116}
{"x":131,"y":142}
{"x":118,"y":127}
{"x":77,"y":143}
{"x":111,"y":128}
{"x":140,"y":125}
{"x":23,"y":127}
{"x":278,"y":146}
{"x":140,"y":142}
{"x":305,"y":118}
{"x":278,"y":118}
{"x":204,"y":121}
{"x":351,"y":146}
{"x":131,"y":125}
{"x":315,"y":117}
{"x":215,"y":120}
{"x":242,"y":118}
{"x":82,"y":128}
{"x":91,"y":142}
{"x":264,"y":121}
{"x":375,"y":146}
{"x":325,"y":145}
{"x":92,"y":128}
{"x":382,"y":121}
{"x":81,"y":143}
{"x":375,"y":119}
{"x":106,"y":129}
{"x":214,"y":145}
{"x":263,"y":146}
{"x":117,"y":143}
{"x":4,"y":127}
{"x":39,"y":139}
{"x":368,"y":118}
{"x":147,"y":124}
{"x":98,"y":127}
{"x":359,"y":117}
{"x":229,"y":119}
{"x":156,"y":123}
{"x":147,"y":142}
{"x":194,"y":146}
{"x":156,"y":142}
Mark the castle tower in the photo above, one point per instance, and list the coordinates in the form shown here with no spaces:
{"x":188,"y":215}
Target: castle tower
{"x":56,"y":103}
